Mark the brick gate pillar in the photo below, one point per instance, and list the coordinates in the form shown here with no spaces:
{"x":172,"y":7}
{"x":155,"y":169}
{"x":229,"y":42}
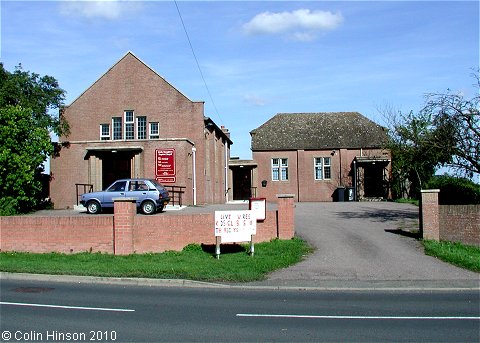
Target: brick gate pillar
{"x":430,"y":224}
{"x":286,"y":216}
{"x":124,"y":210}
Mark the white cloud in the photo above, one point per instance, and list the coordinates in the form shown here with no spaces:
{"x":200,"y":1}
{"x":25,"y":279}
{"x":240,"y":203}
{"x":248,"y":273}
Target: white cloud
{"x":255,"y":100}
{"x":106,"y":9}
{"x":302,"y":24}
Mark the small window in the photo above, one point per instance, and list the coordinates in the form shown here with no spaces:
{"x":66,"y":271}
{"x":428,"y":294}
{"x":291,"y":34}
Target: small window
{"x":129,"y":125}
{"x":141,"y":127}
{"x":117,"y":128}
{"x":279,"y":169}
{"x":154,"y":130}
{"x":105,"y":132}
{"x":275,"y":169}
{"x":323,"y":168}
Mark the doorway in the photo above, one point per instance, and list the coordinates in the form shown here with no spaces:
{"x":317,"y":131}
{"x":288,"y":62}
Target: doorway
{"x":116,"y":165}
{"x":374,"y":181}
{"x":242,"y":183}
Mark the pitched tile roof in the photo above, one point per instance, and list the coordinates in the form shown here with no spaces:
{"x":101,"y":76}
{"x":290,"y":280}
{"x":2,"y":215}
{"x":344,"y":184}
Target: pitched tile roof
{"x":317,"y":131}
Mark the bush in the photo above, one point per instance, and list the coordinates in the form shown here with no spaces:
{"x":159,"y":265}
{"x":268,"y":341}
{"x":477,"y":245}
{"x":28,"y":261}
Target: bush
{"x":454,"y":190}
{"x":8,"y":206}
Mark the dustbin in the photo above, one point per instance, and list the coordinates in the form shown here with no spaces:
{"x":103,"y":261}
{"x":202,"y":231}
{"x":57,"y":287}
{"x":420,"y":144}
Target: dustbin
{"x":349,"y":194}
{"x":339,"y":194}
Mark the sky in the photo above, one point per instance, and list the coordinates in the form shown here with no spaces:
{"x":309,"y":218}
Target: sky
{"x":256,"y":58}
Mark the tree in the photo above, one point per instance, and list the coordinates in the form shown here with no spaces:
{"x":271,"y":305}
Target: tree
{"x":42,"y":95}
{"x":413,"y":160}
{"x":456,"y":122}
{"x":445,"y":132}
{"x":27,"y":103}
{"x":25,"y":146}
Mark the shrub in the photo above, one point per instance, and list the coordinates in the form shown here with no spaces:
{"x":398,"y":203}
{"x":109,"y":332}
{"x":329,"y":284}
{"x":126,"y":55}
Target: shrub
{"x":454,"y":190}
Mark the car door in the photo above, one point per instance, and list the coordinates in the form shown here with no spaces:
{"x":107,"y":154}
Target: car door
{"x":116,"y":190}
{"x":138,"y":189}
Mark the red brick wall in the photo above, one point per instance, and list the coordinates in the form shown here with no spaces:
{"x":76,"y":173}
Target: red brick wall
{"x":454,"y":223}
{"x":126,"y":232}
{"x":59,"y":234}
{"x":460,"y":223}
{"x":301,"y":178}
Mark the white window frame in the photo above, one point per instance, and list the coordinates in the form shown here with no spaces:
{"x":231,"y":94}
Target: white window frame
{"x":151,"y":132}
{"x":144,"y":126}
{"x":129,"y":123}
{"x":279,"y":169}
{"x":120,"y":137}
{"x":103,"y":136}
{"x":320,"y":165}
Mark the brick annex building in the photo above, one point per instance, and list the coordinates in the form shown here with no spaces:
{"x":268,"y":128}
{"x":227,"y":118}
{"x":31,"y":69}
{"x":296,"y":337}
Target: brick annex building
{"x":316,"y":156}
{"x":132,"y":123}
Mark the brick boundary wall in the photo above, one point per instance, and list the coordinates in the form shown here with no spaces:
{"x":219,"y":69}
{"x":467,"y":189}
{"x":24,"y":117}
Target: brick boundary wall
{"x":126,"y":232}
{"x":460,"y":223}
{"x":454,"y":223}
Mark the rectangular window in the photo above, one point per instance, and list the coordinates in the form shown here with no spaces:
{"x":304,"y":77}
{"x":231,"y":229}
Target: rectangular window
{"x":105,"y":132}
{"x":129,"y":125}
{"x":117,"y":128}
{"x":323,"y":168}
{"x":154,"y":130}
{"x":275,"y":169}
{"x":327,"y":168}
{"x":141,"y":127}
{"x":279,"y":169}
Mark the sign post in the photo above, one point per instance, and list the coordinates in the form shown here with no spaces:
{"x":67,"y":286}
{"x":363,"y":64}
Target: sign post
{"x":234,"y":227}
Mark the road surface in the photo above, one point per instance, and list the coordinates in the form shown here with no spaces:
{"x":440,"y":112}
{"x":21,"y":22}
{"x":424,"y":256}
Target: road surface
{"x":59,"y":311}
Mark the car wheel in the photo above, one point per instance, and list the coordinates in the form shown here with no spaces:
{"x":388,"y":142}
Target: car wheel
{"x":93,"y":207}
{"x":148,"y":207}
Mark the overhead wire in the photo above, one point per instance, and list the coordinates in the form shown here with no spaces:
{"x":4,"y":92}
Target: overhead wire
{"x":198,"y":64}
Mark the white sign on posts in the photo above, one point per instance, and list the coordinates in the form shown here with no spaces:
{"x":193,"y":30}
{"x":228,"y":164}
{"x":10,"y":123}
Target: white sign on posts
{"x":235,"y":226}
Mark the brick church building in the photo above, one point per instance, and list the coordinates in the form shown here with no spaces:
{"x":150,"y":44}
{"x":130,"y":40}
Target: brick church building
{"x":132,"y":123}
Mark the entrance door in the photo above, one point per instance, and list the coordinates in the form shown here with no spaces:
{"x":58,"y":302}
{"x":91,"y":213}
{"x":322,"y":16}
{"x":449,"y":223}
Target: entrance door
{"x":242,"y":183}
{"x":116,"y":165}
{"x":373,"y":180}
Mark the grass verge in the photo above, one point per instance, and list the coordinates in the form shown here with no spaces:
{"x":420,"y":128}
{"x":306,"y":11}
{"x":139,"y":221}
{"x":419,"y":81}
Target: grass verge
{"x":465,"y":256}
{"x":194,"y":262}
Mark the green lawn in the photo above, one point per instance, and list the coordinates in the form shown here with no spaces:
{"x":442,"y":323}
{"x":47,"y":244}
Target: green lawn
{"x":465,"y":256}
{"x":194,"y":262}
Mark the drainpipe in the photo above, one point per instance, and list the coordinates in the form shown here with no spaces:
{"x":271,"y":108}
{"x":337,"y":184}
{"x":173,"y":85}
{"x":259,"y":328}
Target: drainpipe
{"x":354,"y":180}
{"x":226,"y":171}
{"x":194,"y":150}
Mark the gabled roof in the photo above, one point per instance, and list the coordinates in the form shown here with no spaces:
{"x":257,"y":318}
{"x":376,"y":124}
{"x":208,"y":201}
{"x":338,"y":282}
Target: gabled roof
{"x":127,"y":55}
{"x":318,"y":131}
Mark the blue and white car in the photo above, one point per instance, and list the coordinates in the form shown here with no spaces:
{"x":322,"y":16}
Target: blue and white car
{"x":150,"y":196}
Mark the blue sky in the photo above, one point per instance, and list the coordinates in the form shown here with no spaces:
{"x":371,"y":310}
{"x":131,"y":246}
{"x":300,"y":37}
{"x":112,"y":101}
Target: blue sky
{"x":257,"y":58}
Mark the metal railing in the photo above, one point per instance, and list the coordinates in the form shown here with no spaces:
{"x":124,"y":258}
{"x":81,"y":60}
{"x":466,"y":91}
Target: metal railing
{"x":175,"y":193}
{"x":85,"y":187}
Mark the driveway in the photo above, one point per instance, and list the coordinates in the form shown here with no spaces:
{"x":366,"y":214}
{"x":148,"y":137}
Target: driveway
{"x":363,"y":242}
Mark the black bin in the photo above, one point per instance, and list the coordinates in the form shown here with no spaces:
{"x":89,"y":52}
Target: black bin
{"x":339,"y":194}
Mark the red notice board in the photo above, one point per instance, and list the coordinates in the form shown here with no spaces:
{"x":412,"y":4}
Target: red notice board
{"x":165,"y":165}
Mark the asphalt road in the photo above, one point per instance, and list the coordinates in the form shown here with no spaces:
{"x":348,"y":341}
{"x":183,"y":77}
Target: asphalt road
{"x":52,"y":311}
{"x":360,"y":243}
